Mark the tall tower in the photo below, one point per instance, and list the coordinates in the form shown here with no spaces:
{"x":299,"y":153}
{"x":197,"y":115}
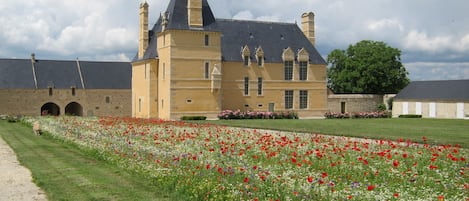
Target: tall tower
{"x":307,"y":22}
{"x":143,"y":35}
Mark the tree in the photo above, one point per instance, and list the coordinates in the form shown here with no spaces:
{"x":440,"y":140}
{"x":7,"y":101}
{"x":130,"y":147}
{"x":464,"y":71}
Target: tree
{"x":367,"y":67}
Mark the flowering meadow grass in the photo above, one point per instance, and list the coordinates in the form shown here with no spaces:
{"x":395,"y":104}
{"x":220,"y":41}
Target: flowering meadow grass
{"x":209,"y":162}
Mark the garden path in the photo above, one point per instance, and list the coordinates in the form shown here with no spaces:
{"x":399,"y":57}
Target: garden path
{"x":15,"y":180}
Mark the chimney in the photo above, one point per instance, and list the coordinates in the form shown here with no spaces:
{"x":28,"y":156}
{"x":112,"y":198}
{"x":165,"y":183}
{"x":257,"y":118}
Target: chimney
{"x":143,"y":36}
{"x":194,"y":13}
{"x":33,"y":58}
{"x":307,"y":22}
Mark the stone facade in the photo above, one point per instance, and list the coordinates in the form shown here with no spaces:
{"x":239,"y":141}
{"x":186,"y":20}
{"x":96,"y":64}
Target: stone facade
{"x":342,"y":103}
{"x":192,"y":73}
{"x":88,"y":102}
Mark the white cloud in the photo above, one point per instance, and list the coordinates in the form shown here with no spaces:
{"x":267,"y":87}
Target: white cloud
{"x":437,"y":70}
{"x":244,"y":15}
{"x":385,"y":24}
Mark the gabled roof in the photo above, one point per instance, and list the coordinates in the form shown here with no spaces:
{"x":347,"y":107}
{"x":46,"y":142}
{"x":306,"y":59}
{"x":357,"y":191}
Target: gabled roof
{"x":443,"y":90}
{"x":18,"y":74}
{"x":273,"y":37}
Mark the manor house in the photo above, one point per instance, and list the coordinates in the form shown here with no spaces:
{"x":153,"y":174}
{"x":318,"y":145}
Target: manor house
{"x":192,"y":64}
{"x":188,"y":64}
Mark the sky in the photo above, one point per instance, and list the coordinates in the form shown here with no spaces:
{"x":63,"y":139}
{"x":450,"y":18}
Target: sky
{"x":433,"y":35}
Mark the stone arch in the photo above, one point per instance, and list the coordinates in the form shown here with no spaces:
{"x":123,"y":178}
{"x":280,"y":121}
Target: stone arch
{"x":50,"y":109}
{"x":74,"y":109}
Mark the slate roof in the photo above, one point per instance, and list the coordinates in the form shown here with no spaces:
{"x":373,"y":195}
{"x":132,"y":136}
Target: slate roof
{"x":444,"y":90}
{"x":273,"y":37}
{"x":18,"y":74}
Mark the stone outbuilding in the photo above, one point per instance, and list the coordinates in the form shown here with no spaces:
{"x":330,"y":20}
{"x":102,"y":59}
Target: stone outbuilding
{"x":447,"y":99}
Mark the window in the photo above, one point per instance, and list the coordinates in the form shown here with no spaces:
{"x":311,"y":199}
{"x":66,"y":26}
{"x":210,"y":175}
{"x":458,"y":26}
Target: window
{"x":145,"y":71}
{"x":140,"y":105}
{"x":73,"y":91}
{"x":288,"y":70}
{"x":207,"y":70}
{"x":164,"y":71}
{"x":303,"y":99}
{"x":246,"y":60}
{"x":207,"y":40}
{"x":50,"y":91}
{"x":289,"y":99}
{"x":259,"y":86}
{"x":246,"y":86}
{"x":108,"y":99}
{"x":260,"y":61}
{"x":303,"y":70}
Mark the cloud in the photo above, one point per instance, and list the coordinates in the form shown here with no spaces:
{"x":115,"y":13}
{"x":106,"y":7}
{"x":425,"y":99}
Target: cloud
{"x":437,"y":70}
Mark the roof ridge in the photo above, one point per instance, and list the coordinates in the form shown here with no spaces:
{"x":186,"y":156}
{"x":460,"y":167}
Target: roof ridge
{"x":257,"y":21}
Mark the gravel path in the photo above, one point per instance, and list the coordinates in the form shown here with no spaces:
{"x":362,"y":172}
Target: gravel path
{"x":15,"y":180}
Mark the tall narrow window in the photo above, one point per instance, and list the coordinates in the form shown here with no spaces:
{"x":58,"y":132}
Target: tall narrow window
{"x":259,"y":86}
{"x":303,"y":99}
{"x":50,"y":91}
{"x":164,"y":71}
{"x":246,"y":86}
{"x":289,"y":99}
{"x":246,"y":60}
{"x":288,"y":70}
{"x":73,"y":91}
{"x":140,"y":105}
{"x":303,"y":70}
{"x":207,"y":70}
{"x":145,"y":71}
{"x":260,"y":61}
{"x":207,"y":40}
{"x":108,"y":99}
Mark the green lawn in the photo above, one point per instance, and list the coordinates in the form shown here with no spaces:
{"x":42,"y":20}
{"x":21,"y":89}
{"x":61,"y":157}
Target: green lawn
{"x":437,"y":131}
{"x":65,"y":172}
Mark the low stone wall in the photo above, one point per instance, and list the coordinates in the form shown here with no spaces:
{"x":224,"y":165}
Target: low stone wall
{"x":353,"y":102}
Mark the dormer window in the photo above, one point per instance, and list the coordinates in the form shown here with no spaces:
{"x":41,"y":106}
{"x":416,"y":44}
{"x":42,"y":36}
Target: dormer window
{"x":303,"y":58}
{"x":260,"y":57}
{"x":288,"y":58}
{"x":246,"y":55}
{"x":73,"y":91}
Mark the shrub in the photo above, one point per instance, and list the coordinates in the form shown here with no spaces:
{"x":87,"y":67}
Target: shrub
{"x":358,"y":115}
{"x":381,"y":107}
{"x":410,"y":116}
{"x":237,"y":114}
{"x":193,"y":118}
{"x":335,"y":115}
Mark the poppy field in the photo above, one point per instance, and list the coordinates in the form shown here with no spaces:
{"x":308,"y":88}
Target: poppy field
{"x":211,"y":162}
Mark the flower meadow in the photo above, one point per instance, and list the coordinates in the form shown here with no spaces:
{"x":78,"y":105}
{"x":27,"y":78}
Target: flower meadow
{"x":210,"y":162}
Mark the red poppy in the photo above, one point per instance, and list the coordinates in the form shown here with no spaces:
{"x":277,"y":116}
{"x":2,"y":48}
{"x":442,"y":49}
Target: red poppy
{"x":371,"y":187}
{"x":246,"y":180}
{"x":324,"y":174}
{"x":395,"y":163}
{"x":310,"y":179}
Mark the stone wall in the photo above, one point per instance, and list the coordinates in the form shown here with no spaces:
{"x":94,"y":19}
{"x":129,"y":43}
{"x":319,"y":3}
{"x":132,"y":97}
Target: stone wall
{"x":353,"y":102}
{"x":94,"y":102}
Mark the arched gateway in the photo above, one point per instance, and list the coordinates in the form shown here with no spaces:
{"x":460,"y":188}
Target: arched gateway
{"x":50,"y":109}
{"x":74,"y":109}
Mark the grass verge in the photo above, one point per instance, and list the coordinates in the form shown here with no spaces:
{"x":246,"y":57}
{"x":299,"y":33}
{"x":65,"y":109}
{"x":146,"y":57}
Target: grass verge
{"x":436,"y":131}
{"x":65,"y":172}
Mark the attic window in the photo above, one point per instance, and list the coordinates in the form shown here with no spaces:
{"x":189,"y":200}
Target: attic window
{"x":246,"y":60}
{"x":73,"y":91}
{"x":50,"y":91}
{"x":282,"y":37}
{"x":251,"y":36}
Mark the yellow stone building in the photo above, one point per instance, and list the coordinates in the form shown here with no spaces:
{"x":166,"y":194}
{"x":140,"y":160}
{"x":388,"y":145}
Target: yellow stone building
{"x":192,"y":64}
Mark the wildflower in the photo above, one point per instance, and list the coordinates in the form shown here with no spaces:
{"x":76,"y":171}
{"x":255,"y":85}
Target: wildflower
{"x":441,"y":198}
{"x":246,"y":180}
{"x":371,"y":187}
{"x":310,"y":179}
{"x":395,"y":163}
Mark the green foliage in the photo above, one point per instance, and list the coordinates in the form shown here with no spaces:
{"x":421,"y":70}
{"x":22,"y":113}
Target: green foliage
{"x":381,"y":107}
{"x":193,"y":118}
{"x":410,"y":116}
{"x":366,"y":67}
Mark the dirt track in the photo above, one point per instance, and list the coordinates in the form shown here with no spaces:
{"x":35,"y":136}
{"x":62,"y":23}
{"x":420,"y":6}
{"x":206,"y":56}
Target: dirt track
{"x":15,"y":180}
